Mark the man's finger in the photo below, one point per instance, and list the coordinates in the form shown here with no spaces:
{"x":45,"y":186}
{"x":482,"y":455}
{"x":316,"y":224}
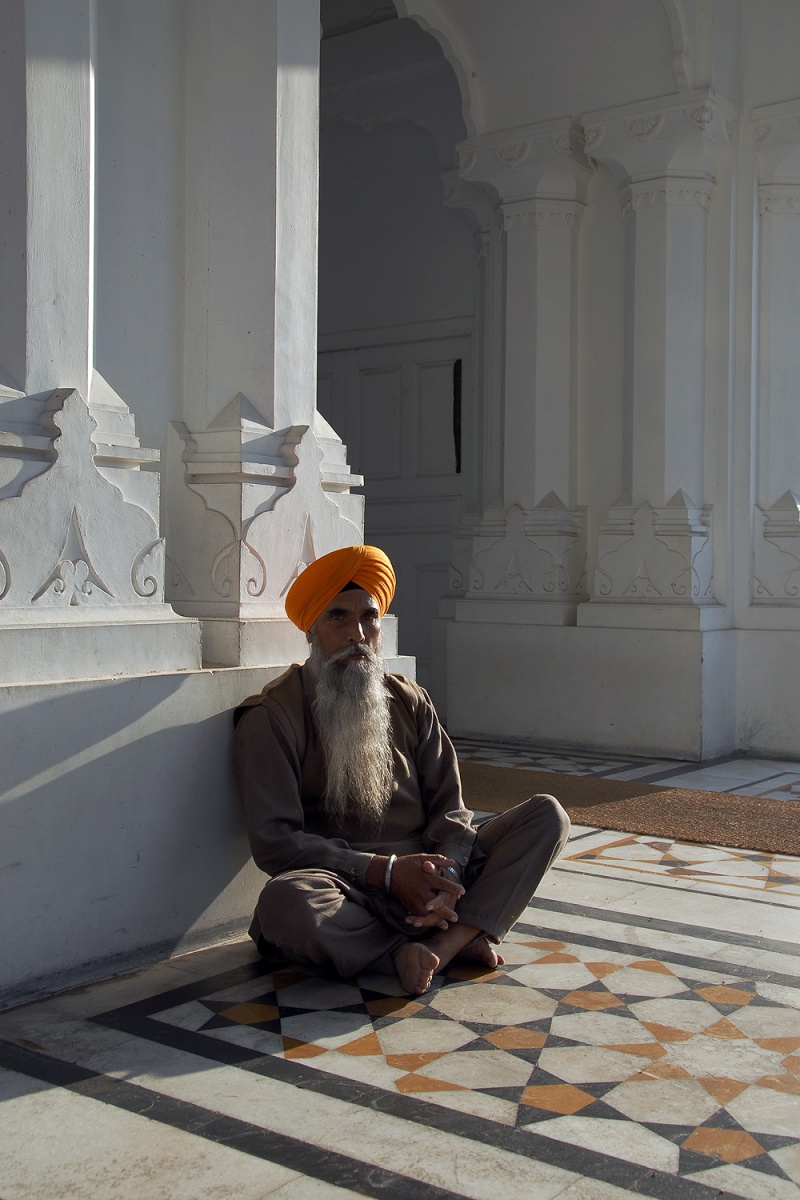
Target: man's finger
{"x":436,"y":862}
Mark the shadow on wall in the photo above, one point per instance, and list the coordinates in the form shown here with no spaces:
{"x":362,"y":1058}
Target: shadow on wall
{"x":120,"y":830}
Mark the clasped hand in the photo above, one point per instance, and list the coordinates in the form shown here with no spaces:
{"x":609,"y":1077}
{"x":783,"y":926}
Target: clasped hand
{"x":429,"y":895}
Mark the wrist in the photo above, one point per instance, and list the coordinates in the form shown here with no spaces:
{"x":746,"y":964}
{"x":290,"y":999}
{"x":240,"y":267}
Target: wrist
{"x":387,"y":879}
{"x":376,"y":871}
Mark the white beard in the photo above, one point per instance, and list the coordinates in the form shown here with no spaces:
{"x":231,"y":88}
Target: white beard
{"x":352,"y":718}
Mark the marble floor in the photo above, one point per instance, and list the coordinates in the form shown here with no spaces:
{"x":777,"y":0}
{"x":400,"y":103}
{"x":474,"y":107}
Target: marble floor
{"x":744,"y":776}
{"x":643,"y":1038}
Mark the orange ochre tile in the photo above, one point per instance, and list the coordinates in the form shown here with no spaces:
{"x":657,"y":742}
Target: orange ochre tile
{"x":659,"y":1070}
{"x":368,"y":1044}
{"x":724,"y":1029}
{"x":722,"y":1088}
{"x":557,"y":1097}
{"x":413,"y":1062}
{"x":792,"y":1063}
{"x":542,"y":945}
{"x":730,"y":1145}
{"x":786,"y":1045}
{"x":724,"y":995}
{"x":780,"y":1083}
{"x":643,"y":1049}
{"x":601,"y":969}
{"x":556,"y":958}
{"x":294,"y":1049}
{"x":251,"y":1014}
{"x":652,"y":964}
{"x":419,"y":1083}
{"x":393,"y":1006}
{"x":666,"y":1033}
{"x":592,"y":1000}
{"x":512,"y":1038}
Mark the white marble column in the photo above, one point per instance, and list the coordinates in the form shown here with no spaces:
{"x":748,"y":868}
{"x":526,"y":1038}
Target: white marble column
{"x":259,"y":484}
{"x":656,"y":545}
{"x":775,"y":580}
{"x":81,"y":555}
{"x":529,"y":546}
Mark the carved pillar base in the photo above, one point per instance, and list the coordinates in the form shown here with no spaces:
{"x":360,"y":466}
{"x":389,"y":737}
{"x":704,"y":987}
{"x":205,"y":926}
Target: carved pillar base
{"x":776,"y":575}
{"x":530,"y":562}
{"x":81,"y":557}
{"x":250,"y":507}
{"x":655,"y":568}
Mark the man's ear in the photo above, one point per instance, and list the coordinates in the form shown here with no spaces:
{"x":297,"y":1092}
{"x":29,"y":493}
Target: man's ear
{"x":310,"y":634}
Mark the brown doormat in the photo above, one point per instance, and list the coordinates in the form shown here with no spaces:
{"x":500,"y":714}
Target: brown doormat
{"x":743,"y":822}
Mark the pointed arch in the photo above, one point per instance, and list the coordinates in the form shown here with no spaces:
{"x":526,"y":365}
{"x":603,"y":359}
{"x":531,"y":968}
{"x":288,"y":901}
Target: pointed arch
{"x":429,"y":17}
{"x":681,"y":62}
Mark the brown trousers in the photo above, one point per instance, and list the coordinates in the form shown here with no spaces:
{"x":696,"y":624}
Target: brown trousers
{"x":317,"y":916}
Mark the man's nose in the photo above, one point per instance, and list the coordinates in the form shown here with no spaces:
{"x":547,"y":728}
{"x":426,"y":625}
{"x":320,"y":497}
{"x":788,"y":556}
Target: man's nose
{"x":357,"y":632}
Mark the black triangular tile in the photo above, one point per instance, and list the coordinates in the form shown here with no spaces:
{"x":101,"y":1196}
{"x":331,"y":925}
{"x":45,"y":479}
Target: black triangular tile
{"x":677,"y":1134}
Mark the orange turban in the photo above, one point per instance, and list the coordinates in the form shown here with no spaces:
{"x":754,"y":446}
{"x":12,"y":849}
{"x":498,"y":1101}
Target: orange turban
{"x":313,"y":590}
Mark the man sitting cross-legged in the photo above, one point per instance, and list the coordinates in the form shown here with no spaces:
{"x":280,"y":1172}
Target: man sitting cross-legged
{"x":353,"y":806}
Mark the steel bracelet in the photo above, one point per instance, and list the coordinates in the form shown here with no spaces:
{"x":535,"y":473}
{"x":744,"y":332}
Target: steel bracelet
{"x":387,"y":879}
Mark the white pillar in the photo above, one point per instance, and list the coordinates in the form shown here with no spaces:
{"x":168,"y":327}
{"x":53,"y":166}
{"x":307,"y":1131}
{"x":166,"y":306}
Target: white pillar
{"x":259,"y":484}
{"x":775,"y":582}
{"x":47,"y":146}
{"x":530,"y":546}
{"x":656,"y":546}
{"x":81,"y":556}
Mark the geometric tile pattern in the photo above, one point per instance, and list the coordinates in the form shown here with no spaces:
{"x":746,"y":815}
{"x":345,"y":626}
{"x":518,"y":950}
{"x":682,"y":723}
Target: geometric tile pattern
{"x":643,"y":1037}
{"x":683,"y":1069}
{"x":747,"y":870}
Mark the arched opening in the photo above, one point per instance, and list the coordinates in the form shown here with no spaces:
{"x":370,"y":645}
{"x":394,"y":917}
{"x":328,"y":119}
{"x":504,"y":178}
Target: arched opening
{"x":397,"y":299}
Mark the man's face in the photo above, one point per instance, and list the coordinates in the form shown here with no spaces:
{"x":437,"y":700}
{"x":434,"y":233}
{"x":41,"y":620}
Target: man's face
{"x":351,"y":619}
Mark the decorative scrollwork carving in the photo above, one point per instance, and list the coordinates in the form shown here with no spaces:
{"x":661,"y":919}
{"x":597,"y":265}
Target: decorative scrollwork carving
{"x":73,"y":577}
{"x":642,"y":128}
{"x":256,"y":581}
{"x":565,"y":143}
{"x":512,"y":152}
{"x":781,"y":198}
{"x":563,"y":216}
{"x":700,"y":115}
{"x":224,"y":569}
{"x":594,"y":136}
{"x":145,"y":578}
{"x":5,"y":576}
{"x":466,"y":161}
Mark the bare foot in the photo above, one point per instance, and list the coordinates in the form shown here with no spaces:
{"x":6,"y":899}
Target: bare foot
{"x":416,"y":965}
{"x":482,"y":950}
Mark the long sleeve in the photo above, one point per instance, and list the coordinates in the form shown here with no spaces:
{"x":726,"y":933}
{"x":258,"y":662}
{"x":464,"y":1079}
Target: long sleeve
{"x":448,"y":828}
{"x":268,"y":774}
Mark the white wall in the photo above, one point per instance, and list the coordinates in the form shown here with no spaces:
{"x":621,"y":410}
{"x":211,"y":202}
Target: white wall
{"x":120,"y":828}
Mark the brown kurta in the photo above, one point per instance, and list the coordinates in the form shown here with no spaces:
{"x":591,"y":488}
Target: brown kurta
{"x":280,"y":773}
{"x":317,"y":905}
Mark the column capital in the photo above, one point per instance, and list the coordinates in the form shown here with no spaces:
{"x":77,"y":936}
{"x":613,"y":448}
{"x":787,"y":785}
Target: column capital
{"x":779,"y":198}
{"x":546,"y":159}
{"x":667,"y":191}
{"x":542,"y":213}
{"x":776,"y":133}
{"x":682,"y":134}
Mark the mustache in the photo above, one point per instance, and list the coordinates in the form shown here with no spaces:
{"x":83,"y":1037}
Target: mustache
{"x":358,"y":650}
